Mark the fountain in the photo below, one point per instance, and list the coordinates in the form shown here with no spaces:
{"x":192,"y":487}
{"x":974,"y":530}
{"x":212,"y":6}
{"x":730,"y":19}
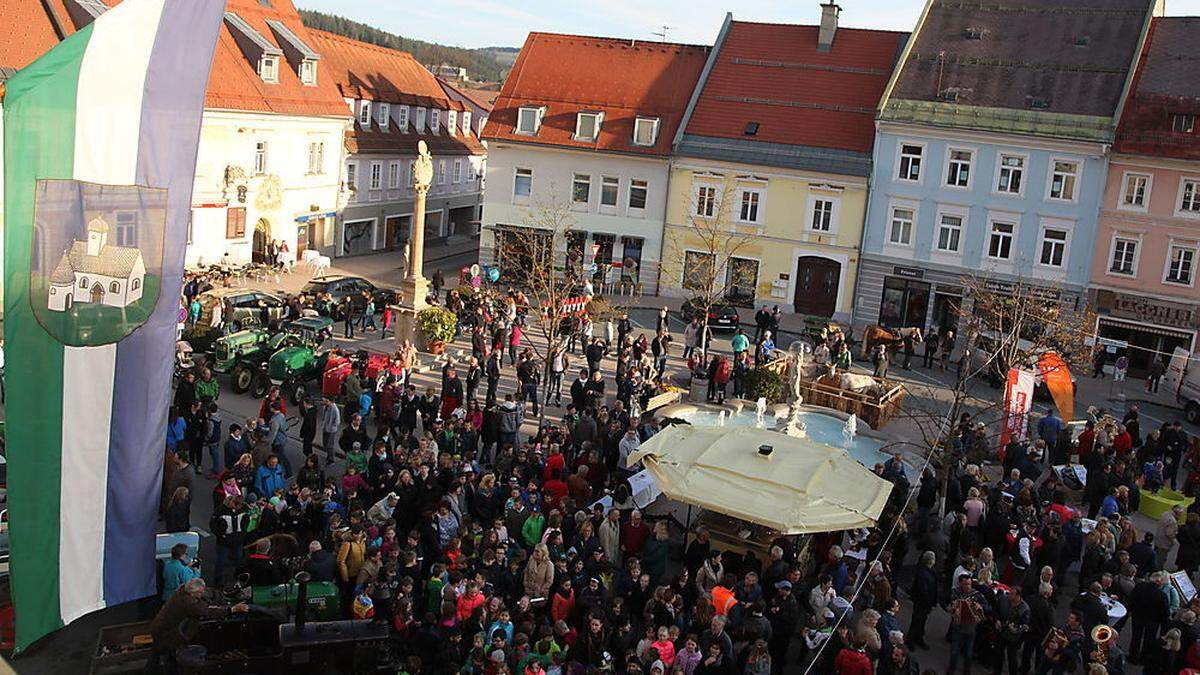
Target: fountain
{"x":721,"y":419}
{"x":760,"y":408}
{"x":849,"y":431}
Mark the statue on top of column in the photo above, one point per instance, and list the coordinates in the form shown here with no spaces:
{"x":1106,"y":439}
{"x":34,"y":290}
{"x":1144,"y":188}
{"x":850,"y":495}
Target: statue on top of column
{"x":423,"y":167}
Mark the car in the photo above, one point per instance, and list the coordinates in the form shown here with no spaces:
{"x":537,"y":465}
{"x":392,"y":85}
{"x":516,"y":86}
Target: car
{"x":247,"y":305}
{"x":721,"y":316}
{"x":341,"y":287}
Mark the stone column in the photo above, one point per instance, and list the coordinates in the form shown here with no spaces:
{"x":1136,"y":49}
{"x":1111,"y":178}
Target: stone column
{"x":414,"y":288}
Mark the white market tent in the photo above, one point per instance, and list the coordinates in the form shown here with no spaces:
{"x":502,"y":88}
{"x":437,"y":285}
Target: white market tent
{"x":802,"y":487}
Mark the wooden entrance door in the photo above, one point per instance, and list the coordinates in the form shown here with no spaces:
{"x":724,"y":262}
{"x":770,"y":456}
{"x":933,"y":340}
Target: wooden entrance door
{"x":816,"y":286}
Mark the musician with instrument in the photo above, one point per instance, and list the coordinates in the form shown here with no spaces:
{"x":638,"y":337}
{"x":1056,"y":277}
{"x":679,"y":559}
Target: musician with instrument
{"x":966,"y":611}
{"x":1063,"y":649}
{"x":1012,"y":623}
{"x":1105,"y":650}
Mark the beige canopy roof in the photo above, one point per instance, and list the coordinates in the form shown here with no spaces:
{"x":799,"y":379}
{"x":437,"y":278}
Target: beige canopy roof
{"x":802,"y":487}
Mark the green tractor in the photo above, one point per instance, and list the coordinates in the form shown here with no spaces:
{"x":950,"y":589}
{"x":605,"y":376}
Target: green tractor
{"x":242,"y":354}
{"x":298,"y":361}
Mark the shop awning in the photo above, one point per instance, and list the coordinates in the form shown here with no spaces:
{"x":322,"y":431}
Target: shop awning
{"x":802,"y":487}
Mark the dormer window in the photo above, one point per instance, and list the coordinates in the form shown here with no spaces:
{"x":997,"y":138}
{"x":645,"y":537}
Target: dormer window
{"x":587,"y":126}
{"x":1039,"y":103}
{"x":466,"y":122}
{"x":973,"y":33}
{"x":420,"y":120}
{"x":364,"y":113}
{"x":529,"y":119}
{"x":268,"y":68}
{"x":1183,"y":123}
{"x":402,"y":117}
{"x":308,"y":72}
{"x":452,"y":123}
{"x":645,"y":131}
{"x":435,"y":120}
{"x":385,"y":115}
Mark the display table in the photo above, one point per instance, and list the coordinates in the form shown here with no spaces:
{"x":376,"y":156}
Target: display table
{"x":1154,"y":504}
{"x":724,"y":532}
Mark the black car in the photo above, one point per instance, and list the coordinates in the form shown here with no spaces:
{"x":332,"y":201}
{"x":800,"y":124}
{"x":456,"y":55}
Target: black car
{"x":721,"y":316}
{"x":341,"y":287}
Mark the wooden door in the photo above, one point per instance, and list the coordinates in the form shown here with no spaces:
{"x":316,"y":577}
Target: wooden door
{"x":816,"y":286}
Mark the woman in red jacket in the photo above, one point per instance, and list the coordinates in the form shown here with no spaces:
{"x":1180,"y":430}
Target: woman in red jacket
{"x":562,"y":606}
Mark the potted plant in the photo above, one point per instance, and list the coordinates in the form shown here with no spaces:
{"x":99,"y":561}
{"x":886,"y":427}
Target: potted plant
{"x":435,"y":326}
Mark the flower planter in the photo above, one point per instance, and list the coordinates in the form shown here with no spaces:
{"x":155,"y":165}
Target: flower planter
{"x":1154,"y":505}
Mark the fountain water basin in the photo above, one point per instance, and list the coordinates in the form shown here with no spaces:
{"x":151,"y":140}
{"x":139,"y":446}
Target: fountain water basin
{"x":821,"y":425}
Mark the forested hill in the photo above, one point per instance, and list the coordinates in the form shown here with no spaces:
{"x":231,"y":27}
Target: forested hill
{"x":488,"y":64}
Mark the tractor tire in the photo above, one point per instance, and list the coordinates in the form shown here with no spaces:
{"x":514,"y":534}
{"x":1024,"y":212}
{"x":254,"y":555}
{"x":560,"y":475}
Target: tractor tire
{"x":260,"y":387}
{"x":297,"y":391}
{"x":241,"y":378}
{"x":235,"y":326}
{"x":1192,"y":412}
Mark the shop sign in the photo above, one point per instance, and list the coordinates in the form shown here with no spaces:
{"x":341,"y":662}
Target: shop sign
{"x":1145,"y":310}
{"x":909,"y":272}
{"x":1007,"y":288}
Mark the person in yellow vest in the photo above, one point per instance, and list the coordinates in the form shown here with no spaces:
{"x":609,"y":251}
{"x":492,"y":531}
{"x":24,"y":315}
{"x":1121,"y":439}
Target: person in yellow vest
{"x":723,"y":599}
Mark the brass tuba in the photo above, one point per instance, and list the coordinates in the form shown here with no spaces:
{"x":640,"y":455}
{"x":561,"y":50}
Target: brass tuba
{"x":1102,"y":637}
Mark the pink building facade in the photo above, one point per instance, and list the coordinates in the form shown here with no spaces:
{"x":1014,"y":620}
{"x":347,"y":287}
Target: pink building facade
{"x":1147,"y":258}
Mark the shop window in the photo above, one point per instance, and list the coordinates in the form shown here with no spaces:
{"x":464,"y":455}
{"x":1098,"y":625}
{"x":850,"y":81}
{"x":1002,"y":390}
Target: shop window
{"x":698,"y":271}
{"x":631,"y":259}
{"x":741,"y":279}
{"x":904,"y":302}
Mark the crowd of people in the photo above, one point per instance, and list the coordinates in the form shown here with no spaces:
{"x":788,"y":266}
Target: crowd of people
{"x":490,"y":550}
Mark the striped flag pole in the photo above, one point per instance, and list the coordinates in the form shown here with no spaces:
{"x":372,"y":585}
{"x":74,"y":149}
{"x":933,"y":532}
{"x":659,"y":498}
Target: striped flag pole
{"x":112,"y":113}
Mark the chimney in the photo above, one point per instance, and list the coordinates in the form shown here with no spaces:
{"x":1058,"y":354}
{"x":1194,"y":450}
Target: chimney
{"x":829,"y":19}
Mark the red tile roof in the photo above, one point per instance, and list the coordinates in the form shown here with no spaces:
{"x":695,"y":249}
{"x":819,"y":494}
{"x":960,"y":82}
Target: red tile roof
{"x":623,"y":79}
{"x":773,"y":74}
{"x":1167,"y":82}
{"x":234,"y":83}
{"x":366,"y":71}
{"x":483,"y":98}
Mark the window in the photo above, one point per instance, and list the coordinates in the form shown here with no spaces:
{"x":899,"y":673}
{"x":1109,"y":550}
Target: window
{"x":420,"y":121}
{"x":441,"y":172}
{"x":706,"y":201}
{"x":1133,"y":195}
{"x":1000,"y":241}
{"x":114,"y":287}
{"x":1063,"y":179}
{"x":458,"y":171}
{"x":910,"y":162}
{"x":1181,"y":264}
{"x":126,"y":229}
{"x":637,"y":194}
{"x":352,"y":175}
{"x":748,"y":209}
{"x":260,"y":158}
{"x":135,"y":284}
{"x":393,"y":175}
{"x":698,"y":271}
{"x":434,"y":120}
{"x":904,"y":302}
{"x":949,"y":233}
{"x":1011,"y":174}
{"x":376,"y":175}
{"x":581,"y":189}
{"x":528,"y":120}
{"x":412,"y":166}
{"x":235,"y":222}
{"x":1189,"y":200}
{"x":645,"y":131}
{"x":364,"y":113}
{"x":308,"y":72}
{"x":587,"y":126}
{"x":1124,"y":256}
{"x":608,"y":190}
{"x":83,"y":282}
{"x":466,"y":122}
{"x":452,"y":122}
{"x":268,"y":68}
{"x":900,"y":232}
{"x":958,"y":168}
{"x":316,"y":157}
{"x":1054,"y":247}
{"x":741,"y":278}
{"x":1183,"y":123}
{"x":385,"y":115}
{"x":402,"y":118}
{"x":523,"y":183}
{"x":631,"y":260}
{"x":822,"y":215}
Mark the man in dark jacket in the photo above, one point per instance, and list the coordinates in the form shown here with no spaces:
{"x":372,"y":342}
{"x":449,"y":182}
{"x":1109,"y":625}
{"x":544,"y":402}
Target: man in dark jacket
{"x":783,"y":611}
{"x":308,"y":426}
{"x":493,"y":374}
{"x":1012,"y":616}
{"x":1148,"y":611}
{"x":579,"y":390}
{"x":924,"y":594}
{"x":762,"y":322}
{"x":1091,"y":609}
{"x":320,"y":563}
{"x":1041,"y":620}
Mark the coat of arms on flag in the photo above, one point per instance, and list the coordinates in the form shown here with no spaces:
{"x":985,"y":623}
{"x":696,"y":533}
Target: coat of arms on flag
{"x":96,"y":266}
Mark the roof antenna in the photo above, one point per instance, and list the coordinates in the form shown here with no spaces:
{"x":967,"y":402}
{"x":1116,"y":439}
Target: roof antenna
{"x":663,"y":33}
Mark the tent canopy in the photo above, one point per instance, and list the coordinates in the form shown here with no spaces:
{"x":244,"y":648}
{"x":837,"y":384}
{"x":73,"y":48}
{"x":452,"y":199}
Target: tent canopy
{"x":802,"y":487}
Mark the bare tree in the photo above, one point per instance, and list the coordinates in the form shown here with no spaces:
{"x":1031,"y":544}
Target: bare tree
{"x":702,"y":260}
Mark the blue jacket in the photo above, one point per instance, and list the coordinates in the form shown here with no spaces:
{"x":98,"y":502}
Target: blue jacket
{"x":176,"y":574}
{"x":268,"y":480}
{"x":234,"y":449}
{"x":175,"y":433}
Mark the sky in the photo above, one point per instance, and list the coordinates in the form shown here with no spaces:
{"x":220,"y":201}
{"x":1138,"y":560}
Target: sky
{"x":489,"y":23}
